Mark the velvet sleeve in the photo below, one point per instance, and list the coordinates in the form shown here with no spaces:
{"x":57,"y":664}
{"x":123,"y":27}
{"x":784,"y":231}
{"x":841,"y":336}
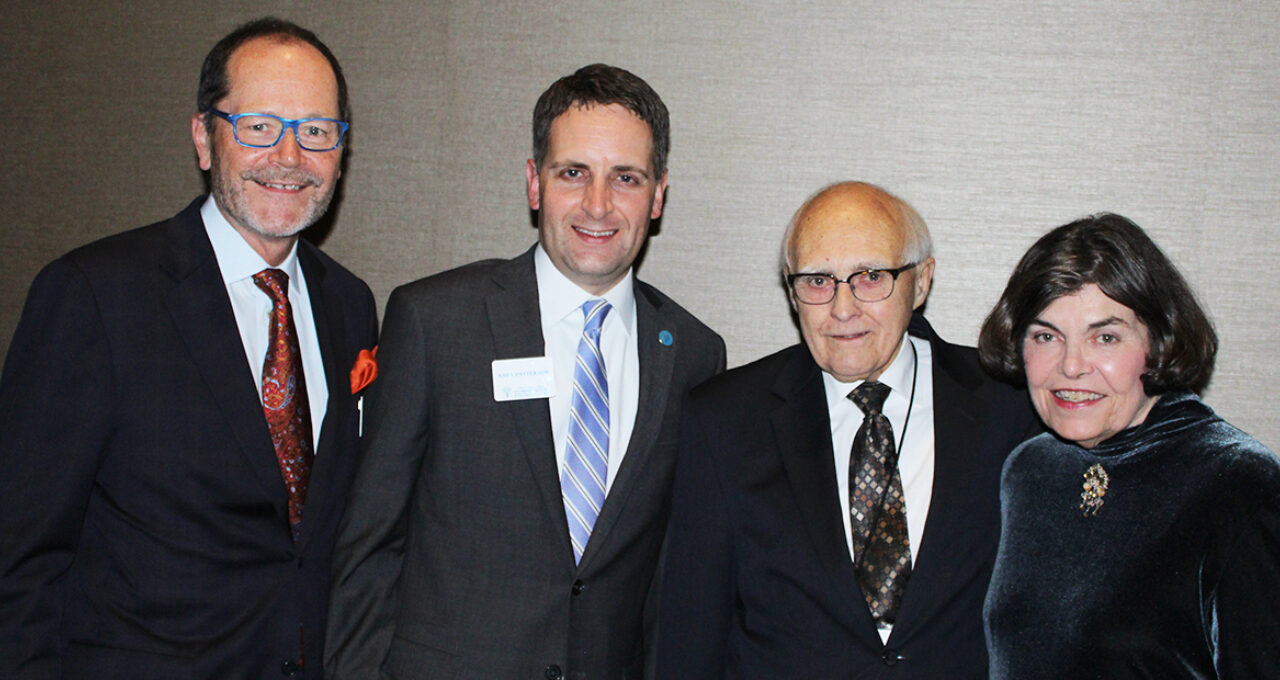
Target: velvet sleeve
{"x":1246,"y":613}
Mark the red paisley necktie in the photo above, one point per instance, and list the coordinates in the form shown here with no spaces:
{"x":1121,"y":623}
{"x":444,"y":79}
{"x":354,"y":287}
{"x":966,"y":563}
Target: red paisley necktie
{"x":284,"y":396}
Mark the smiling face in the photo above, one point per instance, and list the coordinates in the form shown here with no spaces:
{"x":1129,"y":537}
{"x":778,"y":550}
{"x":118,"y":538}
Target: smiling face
{"x":269,"y":195}
{"x":844,"y":230}
{"x":595,"y":194}
{"x":1084,"y":356}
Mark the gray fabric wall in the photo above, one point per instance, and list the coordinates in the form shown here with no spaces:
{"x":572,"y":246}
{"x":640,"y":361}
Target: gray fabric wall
{"x":997,"y":119}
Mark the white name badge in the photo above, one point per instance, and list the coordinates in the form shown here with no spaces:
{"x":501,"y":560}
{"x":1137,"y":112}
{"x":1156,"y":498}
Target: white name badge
{"x":527,"y":378}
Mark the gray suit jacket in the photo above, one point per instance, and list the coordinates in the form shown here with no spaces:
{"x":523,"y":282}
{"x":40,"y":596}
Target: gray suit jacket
{"x":454,"y":558}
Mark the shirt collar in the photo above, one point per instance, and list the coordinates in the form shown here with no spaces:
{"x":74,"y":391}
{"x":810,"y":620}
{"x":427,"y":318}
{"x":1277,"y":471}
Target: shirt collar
{"x":236,"y":258}
{"x":559,"y":297}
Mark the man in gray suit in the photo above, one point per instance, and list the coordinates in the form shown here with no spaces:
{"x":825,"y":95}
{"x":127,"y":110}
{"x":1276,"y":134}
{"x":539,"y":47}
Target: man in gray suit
{"x":508,"y":514}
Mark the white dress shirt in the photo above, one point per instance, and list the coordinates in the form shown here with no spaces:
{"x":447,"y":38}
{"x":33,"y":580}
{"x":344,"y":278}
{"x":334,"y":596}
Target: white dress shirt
{"x":238,"y":262}
{"x":560,"y":305}
{"x":915,"y":450}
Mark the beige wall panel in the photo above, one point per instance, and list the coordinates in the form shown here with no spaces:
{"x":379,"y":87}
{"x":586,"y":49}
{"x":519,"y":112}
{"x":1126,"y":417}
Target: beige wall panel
{"x":998,"y":120}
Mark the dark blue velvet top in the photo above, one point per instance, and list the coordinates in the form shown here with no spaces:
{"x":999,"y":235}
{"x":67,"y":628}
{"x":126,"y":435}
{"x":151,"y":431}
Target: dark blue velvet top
{"x":1177,"y":575}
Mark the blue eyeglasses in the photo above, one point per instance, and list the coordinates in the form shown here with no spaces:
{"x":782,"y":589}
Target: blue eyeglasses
{"x":263,"y":130}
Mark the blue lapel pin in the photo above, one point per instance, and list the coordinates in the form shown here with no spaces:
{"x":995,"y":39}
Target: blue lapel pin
{"x":665,"y":338}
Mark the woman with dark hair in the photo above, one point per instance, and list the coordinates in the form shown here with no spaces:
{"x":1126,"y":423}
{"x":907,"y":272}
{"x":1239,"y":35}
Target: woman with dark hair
{"x":1141,"y":535}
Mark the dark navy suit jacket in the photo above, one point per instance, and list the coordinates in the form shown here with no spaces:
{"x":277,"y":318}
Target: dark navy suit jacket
{"x":143,"y":523}
{"x":758,"y":582}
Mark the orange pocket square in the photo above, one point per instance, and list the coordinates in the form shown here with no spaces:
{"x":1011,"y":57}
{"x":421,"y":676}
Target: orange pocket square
{"x":365,"y":370}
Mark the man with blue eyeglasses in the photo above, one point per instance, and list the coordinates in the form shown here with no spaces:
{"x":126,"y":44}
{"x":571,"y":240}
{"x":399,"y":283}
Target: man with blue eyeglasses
{"x":177,"y":419}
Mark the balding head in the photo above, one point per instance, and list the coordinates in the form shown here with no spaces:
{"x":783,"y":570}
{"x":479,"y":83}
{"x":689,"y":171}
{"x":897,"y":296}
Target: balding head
{"x":866,"y":204}
{"x":849,"y":229}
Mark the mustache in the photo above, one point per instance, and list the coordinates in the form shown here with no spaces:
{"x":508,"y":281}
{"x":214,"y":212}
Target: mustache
{"x":282,"y":177}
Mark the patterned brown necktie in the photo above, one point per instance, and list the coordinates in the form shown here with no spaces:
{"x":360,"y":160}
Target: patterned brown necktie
{"x":877,"y":508}
{"x":284,"y":396}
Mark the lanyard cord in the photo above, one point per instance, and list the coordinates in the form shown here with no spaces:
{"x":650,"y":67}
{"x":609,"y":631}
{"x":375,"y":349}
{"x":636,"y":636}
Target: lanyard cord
{"x":915,"y":372}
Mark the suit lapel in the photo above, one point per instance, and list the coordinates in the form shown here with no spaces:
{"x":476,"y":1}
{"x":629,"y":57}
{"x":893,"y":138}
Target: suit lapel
{"x":657,"y":361}
{"x":201,"y":311}
{"x":516,"y":327}
{"x":957,"y":413}
{"x":802,"y":429}
{"x":326,"y":310}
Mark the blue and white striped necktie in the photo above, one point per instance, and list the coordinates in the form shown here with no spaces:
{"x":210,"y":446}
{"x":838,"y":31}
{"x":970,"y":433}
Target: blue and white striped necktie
{"x":586,"y":458}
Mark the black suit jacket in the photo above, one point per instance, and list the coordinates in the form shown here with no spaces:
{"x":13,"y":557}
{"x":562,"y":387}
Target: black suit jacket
{"x":758,"y":581}
{"x":454,"y":558}
{"x":143,"y":523}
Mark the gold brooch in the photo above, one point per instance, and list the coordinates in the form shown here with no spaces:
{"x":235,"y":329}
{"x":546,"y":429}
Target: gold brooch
{"x":1095,"y":487}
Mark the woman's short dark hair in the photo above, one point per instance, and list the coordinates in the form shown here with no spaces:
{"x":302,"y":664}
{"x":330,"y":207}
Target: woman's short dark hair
{"x":601,"y":85}
{"x":1115,"y":254}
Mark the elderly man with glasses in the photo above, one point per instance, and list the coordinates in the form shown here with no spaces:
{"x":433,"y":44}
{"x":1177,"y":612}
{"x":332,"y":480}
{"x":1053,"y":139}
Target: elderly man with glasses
{"x":177,"y":419}
{"x":836,"y":506}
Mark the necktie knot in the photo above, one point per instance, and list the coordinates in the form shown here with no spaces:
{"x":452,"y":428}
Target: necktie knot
{"x":273,"y":282}
{"x":594,"y":311}
{"x":870,"y":396}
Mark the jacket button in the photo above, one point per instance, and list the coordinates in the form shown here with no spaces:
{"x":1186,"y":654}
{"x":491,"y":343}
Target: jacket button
{"x":890,"y":657}
{"x":553,"y":672}
{"x":578,"y":587}
{"x":289,"y":669}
